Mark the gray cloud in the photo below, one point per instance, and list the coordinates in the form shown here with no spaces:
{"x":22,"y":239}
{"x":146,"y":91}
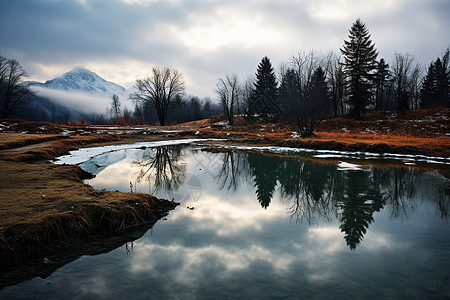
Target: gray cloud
{"x":205,"y":39}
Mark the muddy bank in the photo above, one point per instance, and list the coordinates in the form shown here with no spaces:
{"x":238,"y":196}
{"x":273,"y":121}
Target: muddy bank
{"x":45,"y":207}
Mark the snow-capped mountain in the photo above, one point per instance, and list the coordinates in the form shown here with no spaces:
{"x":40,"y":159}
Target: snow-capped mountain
{"x":79,"y":92}
{"x":83,"y":80}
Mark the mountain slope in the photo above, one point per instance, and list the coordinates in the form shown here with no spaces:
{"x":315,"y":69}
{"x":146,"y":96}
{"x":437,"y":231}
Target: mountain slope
{"x":75,"y":94}
{"x":83,"y":80}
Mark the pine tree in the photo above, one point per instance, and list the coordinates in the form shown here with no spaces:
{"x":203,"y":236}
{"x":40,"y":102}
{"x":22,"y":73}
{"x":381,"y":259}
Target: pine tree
{"x":264,"y":97}
{"x":428,"y":88}
{"x":289,"y":93}
{"x":435,"y":88}
{"x":381,"y":79}
{"x":359,"y":61}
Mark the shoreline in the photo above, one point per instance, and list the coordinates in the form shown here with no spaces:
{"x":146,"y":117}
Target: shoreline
{"x":47,"y":206}
{"x":50,"y":207}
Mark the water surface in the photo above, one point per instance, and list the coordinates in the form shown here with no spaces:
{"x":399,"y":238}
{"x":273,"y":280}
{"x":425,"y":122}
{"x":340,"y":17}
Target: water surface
{"x":266,"y":226}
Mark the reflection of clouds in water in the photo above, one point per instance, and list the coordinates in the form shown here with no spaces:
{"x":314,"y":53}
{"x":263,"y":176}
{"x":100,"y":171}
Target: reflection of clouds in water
{"x":188,"y":265}
{"x":228,"y":216}
{"x":328,"y":239}
{"x":94,"y":286}
{"x":116,"y":176}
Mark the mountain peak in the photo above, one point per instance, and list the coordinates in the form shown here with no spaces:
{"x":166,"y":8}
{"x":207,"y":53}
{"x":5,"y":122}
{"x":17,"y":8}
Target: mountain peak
{"x":80,"y":79}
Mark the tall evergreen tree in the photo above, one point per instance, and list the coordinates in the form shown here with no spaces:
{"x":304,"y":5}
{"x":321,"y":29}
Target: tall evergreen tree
{"x":264,"y":98}
{"x":359,"y":61}
{"x":435,"y":88}
{"x":428,"y":88}
{"x":381,"y":79}
{"x":290,"y":91}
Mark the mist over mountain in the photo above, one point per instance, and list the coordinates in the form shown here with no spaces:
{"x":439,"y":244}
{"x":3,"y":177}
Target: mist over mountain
{"x":80,"y":79}
{"x":75,"y":94}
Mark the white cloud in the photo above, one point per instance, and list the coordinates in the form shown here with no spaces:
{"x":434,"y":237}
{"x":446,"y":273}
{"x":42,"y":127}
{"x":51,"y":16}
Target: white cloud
{"x":341,"y":10}
{"x":207,"y":39}
{"x":228,"y":28}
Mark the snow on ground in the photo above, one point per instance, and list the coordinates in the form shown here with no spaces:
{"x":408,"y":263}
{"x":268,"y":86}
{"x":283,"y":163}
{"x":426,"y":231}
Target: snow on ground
{"x":345,"y":166}
{"x":81,"y":155}
{"x":333,"y":154}
{"x":84,"y":154}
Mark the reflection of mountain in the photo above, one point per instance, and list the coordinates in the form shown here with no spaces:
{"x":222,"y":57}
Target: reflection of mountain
{"x":316,"y":191}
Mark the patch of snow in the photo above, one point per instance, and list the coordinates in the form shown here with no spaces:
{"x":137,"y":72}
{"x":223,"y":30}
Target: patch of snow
{"x":345,"y":166}
{"x":328,"y":156}
{"x":84,"y":154}
{"x":295,"y":135}
{"x":346,"y":154}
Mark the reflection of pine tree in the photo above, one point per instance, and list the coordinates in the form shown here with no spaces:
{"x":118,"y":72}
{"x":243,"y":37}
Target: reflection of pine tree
{"x":398,"y":187}
{"x":361,"y":199}
{"x":265,"y":174}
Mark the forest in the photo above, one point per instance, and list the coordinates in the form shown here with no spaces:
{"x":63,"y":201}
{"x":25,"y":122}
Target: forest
{"x":308,"y":88}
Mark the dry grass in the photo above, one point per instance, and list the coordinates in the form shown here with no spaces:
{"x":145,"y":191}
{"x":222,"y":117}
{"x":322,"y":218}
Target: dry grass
{"x":43,"y":205}
{"x":14,"y":140}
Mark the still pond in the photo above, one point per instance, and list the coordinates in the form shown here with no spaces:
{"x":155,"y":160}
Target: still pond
{"x":252,"y":225}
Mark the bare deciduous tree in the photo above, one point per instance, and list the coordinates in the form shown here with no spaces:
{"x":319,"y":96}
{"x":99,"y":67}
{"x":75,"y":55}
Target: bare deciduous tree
{"x":404,"y":72}
{"x":159,"y":90}
{"x":13,"y":92}
{"x":228,"y":91}
{"x":115,"y":107}
{"x":336,"y":79}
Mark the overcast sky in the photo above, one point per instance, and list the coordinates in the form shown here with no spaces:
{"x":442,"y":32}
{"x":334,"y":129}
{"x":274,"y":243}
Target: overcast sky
{"x":206,"y":39}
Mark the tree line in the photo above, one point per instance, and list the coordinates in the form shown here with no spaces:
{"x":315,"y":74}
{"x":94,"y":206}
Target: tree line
{"x":313,"y":85}
{"x":309,"y":87}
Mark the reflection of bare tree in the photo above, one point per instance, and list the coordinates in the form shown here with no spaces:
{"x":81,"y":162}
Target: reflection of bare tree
{"x":406,"y":189}
{"x":307,"y":187}
{"x":161,"y":168}
{"x":234,"y":167}
{"x":398,"y":189}
{"x":437,"y":187}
